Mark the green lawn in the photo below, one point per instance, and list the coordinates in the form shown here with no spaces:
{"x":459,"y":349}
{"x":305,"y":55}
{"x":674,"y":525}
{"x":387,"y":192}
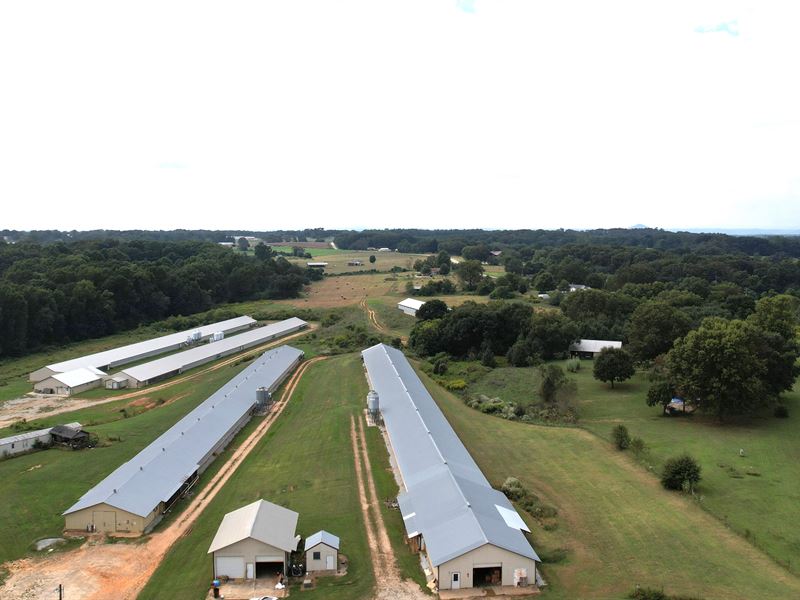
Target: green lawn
{"x":304,"y":462}
{"x":618,"y":527}
{"x":38,"y":487}
{"x":312,"y":251}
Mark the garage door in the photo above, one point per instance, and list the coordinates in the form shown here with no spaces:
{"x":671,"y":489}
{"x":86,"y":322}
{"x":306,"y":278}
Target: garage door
{"x":231,"y":566}
{"x":276,"y":558}
{"x":104,"y":520}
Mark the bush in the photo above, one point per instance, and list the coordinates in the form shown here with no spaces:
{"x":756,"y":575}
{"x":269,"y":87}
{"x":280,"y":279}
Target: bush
{"x":440,"y":366}
{"x":621,"y":437}
{"x":455,"y":385}
{"x":519,"y":355}
{"x":573,"y":365}
{"x":680,"y":473}
{"x":637,"y":446}
{"x":487,"y":358}
{"x":513,"y":488}
{"x":781,"y":411}
{"x":654,"y":594}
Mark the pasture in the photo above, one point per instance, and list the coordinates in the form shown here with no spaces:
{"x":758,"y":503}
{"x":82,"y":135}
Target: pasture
{"x":616,"y":525}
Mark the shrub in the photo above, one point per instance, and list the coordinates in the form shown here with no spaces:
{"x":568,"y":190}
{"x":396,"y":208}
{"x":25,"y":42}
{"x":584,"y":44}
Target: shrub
{"x":455,"y":385}
{"x":621,"y":437}
{"x":681,"y":472}
{"x":637,"y":446}
{"x":573,"y":365}
{"x":519,"y":355}
{"x":487,"y":358}
{"x":513,"y":488}
{"x":440,"y":366}
{"x":397,"y":342}
{"x":781,"y":411}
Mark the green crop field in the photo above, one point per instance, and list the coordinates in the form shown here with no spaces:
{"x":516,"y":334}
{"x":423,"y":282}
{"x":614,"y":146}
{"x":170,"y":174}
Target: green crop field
{"x":619,"y":528}
{"x":306,"y":456}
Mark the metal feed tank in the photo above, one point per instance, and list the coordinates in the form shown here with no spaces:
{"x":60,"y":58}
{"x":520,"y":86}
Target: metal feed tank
{"x":373,"y":405}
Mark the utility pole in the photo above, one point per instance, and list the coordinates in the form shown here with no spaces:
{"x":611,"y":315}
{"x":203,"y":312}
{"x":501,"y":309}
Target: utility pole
{"x":60,"y":592}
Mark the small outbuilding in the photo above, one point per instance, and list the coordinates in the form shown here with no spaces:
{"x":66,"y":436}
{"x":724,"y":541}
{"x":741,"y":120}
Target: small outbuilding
{"x":317,"y":265}
{"x":590,"y":348}
{"x":254,"y":541}
{"x":70,"y":435}
{"x":410,"y":306}
{"x":70,"y":382}
{"x":322,"y":552}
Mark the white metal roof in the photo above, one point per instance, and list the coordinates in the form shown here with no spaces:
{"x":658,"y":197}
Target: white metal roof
{"x":593,"y":345}
{"x":159,"y":470}
{"x":131,"y":352}
{"x":262,"y":521}
{"x":412,"y":303}
{"x":228,"y":345}
{"x":322,"y":537}
{"x":78,"y":377}
{"x":448,"y":499}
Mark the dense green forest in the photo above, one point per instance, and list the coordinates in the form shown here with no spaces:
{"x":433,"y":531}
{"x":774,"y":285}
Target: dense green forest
{"x":62,"y":292}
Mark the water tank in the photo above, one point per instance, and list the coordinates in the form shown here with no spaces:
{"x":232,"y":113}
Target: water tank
{"x":372,"y":402}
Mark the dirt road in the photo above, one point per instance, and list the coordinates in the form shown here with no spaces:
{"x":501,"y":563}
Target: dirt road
{"x":389,"y":584}
{"x":98,"y":571}
{"x":45,"y":406}
{"x":372,"y":315}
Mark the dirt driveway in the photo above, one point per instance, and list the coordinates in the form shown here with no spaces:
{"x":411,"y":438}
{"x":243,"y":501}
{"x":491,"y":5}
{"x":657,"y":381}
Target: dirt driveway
{"x":100,"y":571}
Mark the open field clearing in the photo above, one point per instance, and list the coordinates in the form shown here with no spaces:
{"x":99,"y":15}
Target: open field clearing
{"x":619,"y":527}
{"x":307,"y":455}
{"x":337,"y":260}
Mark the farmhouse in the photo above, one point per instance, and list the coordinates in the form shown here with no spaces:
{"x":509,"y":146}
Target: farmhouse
{"x":27,"y":441}
{"x":133,"y":498}
{"x":322,"y":552}
{"x":141,"y":350}
{"x":577,"y":287}
{"x":254,"y":541}
{"x":162,"y":368}
{"x":70,"y":382}
{"x":410,"y":306}
{"x":589,"y":348}
{"x":470,"y":533}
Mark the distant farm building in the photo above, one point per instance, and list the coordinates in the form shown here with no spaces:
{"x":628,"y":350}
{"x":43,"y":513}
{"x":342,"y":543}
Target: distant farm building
{"x":468,"y":532}
{"x":384,"y":250}
{"x":116,"y":382}
{"x":133,"y":498}
{"x":590,"y":348}
{"x":355,"y":263}
{"x":254,"y":541}
{"x":322,"y":552}
{"x":316,"y":265}
{"x":577,"y":287}
{"x":70,"y":435}
{"x":135,"y":352}
{"x":28,"y":440}
{"x":162,"y":368}
{"x":70,"y":382}
{"x":410,"y":306}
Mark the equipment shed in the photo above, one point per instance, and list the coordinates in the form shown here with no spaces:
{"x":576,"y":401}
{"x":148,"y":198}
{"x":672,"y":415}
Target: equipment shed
{"x":322,"y":552}
{"x":71,"y":382}
{"x":410,"y":306}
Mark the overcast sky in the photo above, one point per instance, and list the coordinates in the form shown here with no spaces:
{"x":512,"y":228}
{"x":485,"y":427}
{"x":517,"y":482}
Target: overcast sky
{"x":429,"y":113}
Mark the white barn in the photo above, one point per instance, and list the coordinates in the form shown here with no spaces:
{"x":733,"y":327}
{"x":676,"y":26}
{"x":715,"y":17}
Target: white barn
{"x":70,"y":382}
{"x":322,"y":552}
{"x":254,"y":541}
{"x":410,"y":306}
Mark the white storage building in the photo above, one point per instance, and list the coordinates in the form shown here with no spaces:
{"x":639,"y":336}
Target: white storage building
{"x":161,"y":368}
{"x":589,"y":348}
{"x":141,"y":350}
{"x":133,"y":498}
{"x":70,"y":382}
{"x":410,"y":306}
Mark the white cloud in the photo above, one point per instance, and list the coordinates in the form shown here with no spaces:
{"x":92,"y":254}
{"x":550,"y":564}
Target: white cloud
{"x":292,"y":114}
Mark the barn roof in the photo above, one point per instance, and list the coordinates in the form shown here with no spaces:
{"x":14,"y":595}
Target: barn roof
{"x":322,"y":537}
{"x":27,"y":435}
{"x":78,"y":377}
{"x":129,"y":353}
{"x":412,"y":303}
{"x":241,"y":341}
{"x":160,"y":469}
{"x":593,"y":346}
{"x":447,"y":500}
{"x":262,"y":521}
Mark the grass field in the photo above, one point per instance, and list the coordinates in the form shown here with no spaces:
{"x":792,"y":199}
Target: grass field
{"x":337,"y":260}
{"x":38,"y":487}
{"x":305,"y":463}
{"x":618,"y":526}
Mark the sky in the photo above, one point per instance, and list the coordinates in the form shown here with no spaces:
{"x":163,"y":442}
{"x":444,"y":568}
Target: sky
{"x":431,"y":113}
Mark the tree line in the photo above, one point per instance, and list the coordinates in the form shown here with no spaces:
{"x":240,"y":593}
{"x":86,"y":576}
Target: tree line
{"x":64,"y":292}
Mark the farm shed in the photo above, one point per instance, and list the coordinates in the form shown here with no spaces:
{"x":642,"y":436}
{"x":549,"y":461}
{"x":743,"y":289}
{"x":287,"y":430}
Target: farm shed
{"x":354,"y":263}
{"x":410,"y":306}
{"x":254,"y":541}
{"x":69,"y":435}
{"x":117,"y":382}
{"x":26,"y":441}
{"x":70,"y":382}
{"x":141,"y":350}
{"x":134,"y":497}
{"x":322,"y":552}
{"x":469,"y":532}
{"x":162,"y":368}
{"x":317,"y":265}
{"x":588,"y":348}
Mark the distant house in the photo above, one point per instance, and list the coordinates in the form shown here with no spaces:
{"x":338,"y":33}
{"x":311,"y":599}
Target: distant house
{"x":589,"y":348}
{"x":226,"y":244}
{"x":543,"y":296}
{"x":322,"y":552}
{"x":354,"y":263}
{"x":410,"y":306}
{"x":577,"y":287}
{"x":495,"y":252}
{"x":254,"y":541}
{"x":317,"y":265}
{"x":70,"y":382}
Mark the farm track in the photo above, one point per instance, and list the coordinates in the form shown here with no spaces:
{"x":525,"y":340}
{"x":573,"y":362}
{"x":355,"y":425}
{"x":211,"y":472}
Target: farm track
{"x":41,"y":407}
{"x":372,"y":315}
{"x":101,"y":571}
{"x":389,"y":584}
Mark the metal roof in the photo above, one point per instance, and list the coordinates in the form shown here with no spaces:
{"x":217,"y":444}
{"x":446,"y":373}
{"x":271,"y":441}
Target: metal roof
{"x":159,"y":470}
{"x":322,"y":537}
{"x":131,"y":352}
{"x":27,"y":435}
{"x":206,"y":352}
{"x":78,"y":377}
{"x":411,"y":303}
{"x":448,"y":500}
{"x":262,"y":521}
{"x":593,"y":345}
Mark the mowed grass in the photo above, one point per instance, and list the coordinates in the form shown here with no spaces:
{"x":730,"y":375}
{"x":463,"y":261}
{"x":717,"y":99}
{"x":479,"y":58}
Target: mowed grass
{"x":38,"y":487}
{"x":618,"y":526}
{"x":337,"y":260}
{"x":304,"y":462}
